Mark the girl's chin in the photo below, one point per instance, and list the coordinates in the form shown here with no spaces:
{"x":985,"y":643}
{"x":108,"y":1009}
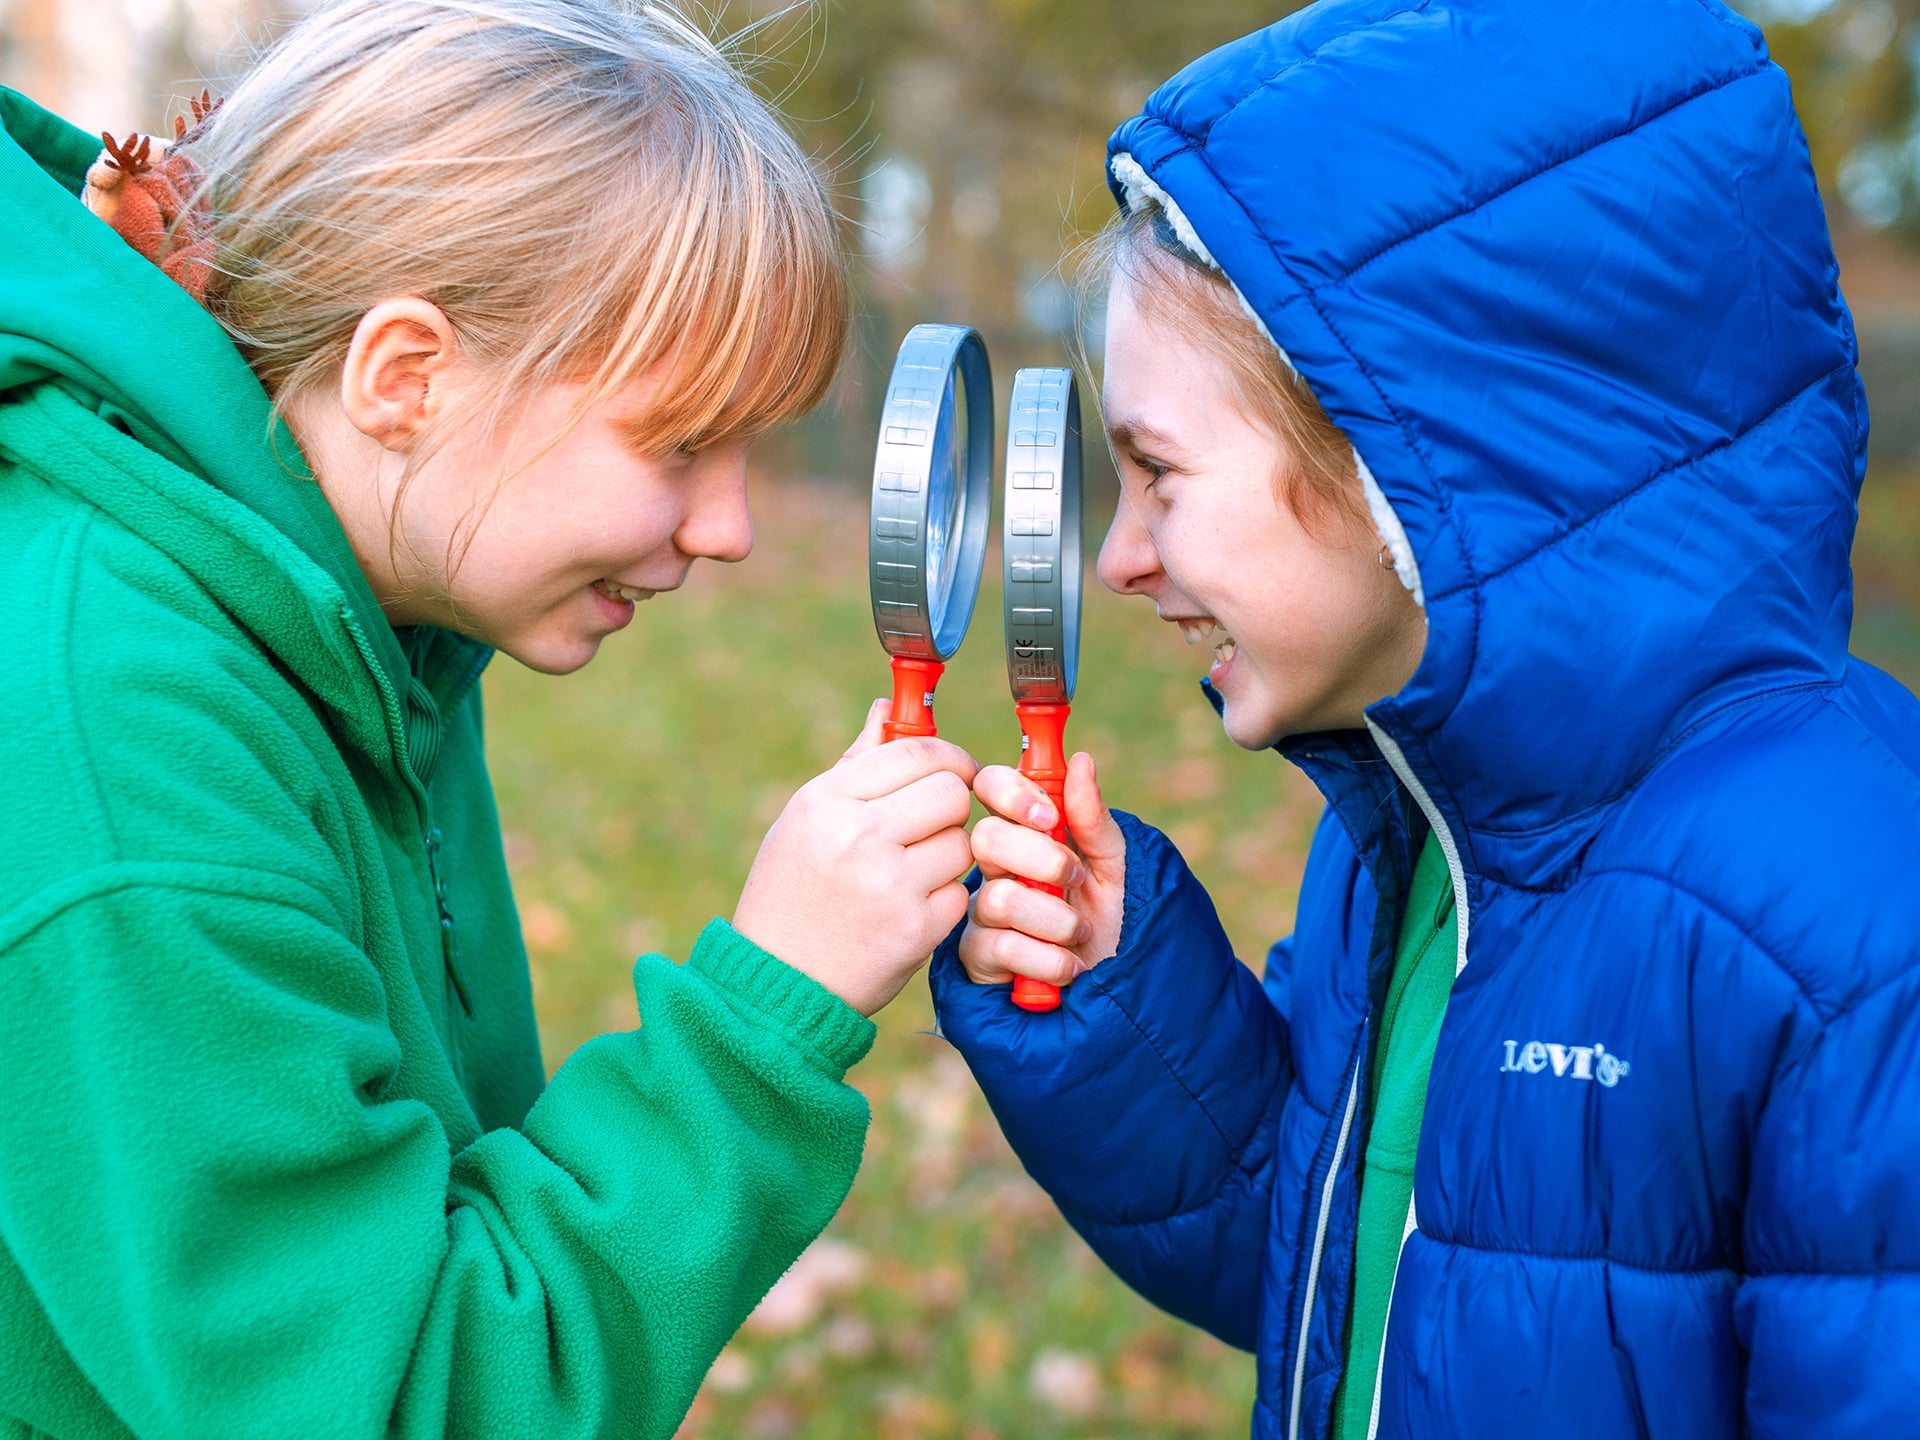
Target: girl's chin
{"x":1252,"y":715}
{"x":1249,"y":725}
{"x":548,"y":661}
{"x":552,"y":650}
{"x":569,"y":636}
{"x":1249,"y":738}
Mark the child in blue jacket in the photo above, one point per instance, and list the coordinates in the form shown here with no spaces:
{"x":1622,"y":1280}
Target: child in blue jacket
{"x":1481,"y":390}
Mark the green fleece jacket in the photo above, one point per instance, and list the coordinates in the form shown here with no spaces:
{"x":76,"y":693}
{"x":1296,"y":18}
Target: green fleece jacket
{"x":275,"y":1158}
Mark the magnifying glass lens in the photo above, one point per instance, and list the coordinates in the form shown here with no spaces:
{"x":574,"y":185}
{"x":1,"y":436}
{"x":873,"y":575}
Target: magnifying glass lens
{"x":932,"y":493}
{"x":946,"y":501}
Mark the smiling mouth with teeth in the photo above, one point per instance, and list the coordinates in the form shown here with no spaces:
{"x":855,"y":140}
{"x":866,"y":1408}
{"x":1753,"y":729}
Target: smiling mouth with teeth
{"x":1196,"y":631}
{"x":615,"y":591}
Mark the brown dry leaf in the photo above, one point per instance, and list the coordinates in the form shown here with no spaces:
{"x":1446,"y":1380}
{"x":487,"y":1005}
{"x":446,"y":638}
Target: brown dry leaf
{"x":989,"y":1348}
{"x":543,"y":927}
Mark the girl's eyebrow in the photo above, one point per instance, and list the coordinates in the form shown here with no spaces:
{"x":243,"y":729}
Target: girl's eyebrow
{"x":1138,"y":435}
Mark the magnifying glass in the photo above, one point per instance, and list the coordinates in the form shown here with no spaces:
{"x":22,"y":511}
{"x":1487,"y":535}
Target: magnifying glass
{"x":1040,"y":561}
{"x":932,"y":494}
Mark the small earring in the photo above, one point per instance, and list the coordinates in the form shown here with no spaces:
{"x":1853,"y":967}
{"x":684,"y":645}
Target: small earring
{"x":1386,"y":558}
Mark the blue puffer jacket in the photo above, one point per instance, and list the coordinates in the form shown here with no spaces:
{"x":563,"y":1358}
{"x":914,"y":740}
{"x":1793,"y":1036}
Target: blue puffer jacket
{"x":1559,"y":269}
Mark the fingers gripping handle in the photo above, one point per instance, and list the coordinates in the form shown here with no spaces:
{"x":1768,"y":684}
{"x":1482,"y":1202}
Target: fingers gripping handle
{"x":1043,"y":759}
{"x":912,"y":713}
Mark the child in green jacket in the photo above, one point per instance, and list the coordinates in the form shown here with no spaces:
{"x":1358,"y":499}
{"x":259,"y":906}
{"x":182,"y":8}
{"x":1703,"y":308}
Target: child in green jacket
{"x":463,"y":318}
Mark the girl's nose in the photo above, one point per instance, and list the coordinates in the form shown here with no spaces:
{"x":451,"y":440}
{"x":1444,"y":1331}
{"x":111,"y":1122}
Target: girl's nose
{"x":718,"y":525}
{"x":1128,"y":561}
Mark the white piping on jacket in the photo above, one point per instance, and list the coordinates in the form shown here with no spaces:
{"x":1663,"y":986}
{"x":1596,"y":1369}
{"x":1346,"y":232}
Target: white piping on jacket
{"x":1457,"y":874}
{"x":1319,"y":1245}
{"x":1456,"y":871}
{"x":1380,"y":1365}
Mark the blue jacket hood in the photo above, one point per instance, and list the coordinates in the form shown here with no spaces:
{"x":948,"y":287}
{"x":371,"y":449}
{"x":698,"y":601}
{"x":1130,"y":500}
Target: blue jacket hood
{"x":1562,"y":274}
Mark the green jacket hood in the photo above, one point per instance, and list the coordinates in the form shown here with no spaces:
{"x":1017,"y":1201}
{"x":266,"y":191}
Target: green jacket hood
{"x":83,"y":311}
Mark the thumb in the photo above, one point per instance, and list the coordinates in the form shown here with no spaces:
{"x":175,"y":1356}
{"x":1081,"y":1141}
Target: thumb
{"x":1095,"y":833}
{"x":869,"y":735}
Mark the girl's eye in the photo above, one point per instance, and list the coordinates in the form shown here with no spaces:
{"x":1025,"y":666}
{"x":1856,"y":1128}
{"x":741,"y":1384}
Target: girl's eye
{"x":1152,"y":469}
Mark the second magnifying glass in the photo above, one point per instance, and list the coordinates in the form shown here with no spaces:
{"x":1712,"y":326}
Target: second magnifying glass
{"x":1040,"y":561}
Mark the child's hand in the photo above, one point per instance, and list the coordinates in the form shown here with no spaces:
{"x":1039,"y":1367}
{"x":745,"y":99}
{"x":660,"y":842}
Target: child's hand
{"x":858,"y":879}
{"x":1012,"y":930}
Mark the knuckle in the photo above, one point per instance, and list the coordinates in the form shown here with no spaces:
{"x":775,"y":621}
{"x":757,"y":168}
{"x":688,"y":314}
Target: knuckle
{"x":878,"y":884}
{"x":949,"y":904}
{"x":839,"y":845}
{"x":985,"y":907}
{"x":1004,"y":948}
{"x":956,"y":792}
{"x":976,"y":955}
{"x":928,"y":753}
{"x":1063,"y":862}
{"x":957,"y":856}
{"x":994,"y":904}
{"x":1063,"y":924}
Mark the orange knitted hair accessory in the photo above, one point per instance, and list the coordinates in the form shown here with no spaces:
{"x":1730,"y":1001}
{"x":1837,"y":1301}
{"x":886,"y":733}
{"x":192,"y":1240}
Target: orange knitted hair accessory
{"x":158,"y":205}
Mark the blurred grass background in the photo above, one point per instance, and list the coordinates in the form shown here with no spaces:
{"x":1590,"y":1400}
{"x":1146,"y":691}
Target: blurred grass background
{"x":965,"y":140}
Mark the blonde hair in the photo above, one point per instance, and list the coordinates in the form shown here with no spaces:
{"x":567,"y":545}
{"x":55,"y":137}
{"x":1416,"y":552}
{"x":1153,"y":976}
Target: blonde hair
{"x":587,"y":190}
{"x":1176,"y":287}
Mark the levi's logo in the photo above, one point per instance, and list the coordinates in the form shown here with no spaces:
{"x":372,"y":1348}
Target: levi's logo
{"x":1572,"y":1062}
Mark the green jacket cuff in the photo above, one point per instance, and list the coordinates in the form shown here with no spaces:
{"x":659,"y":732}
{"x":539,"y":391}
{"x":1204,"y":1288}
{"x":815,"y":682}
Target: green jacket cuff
{"x":760,"y":985}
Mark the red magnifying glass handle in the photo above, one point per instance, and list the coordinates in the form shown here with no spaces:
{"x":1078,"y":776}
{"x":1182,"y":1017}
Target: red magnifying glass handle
{"x":912,"y":713}
{"x":1043,"y":759}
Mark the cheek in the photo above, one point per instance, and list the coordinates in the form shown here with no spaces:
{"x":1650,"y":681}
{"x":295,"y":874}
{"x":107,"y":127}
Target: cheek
{"x":631,"y":511}
{"x":1300,"y":610}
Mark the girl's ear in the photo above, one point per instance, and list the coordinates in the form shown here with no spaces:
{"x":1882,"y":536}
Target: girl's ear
{"x":400,"y":371}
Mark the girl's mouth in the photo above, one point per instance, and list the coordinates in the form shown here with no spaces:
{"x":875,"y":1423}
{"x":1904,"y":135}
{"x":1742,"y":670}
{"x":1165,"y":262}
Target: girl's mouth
{"x":613,"y":590}
{"x":616,"y":602}
{"x":1208,"y":629}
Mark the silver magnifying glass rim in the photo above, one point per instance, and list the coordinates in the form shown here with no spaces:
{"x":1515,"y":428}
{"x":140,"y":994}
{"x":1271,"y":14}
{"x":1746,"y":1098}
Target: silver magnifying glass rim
{"x":1040,"y":537}
{"x":931,"y":359}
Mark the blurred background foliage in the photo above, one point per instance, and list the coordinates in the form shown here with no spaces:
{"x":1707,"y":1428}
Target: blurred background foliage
{"x":965,"y":140}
